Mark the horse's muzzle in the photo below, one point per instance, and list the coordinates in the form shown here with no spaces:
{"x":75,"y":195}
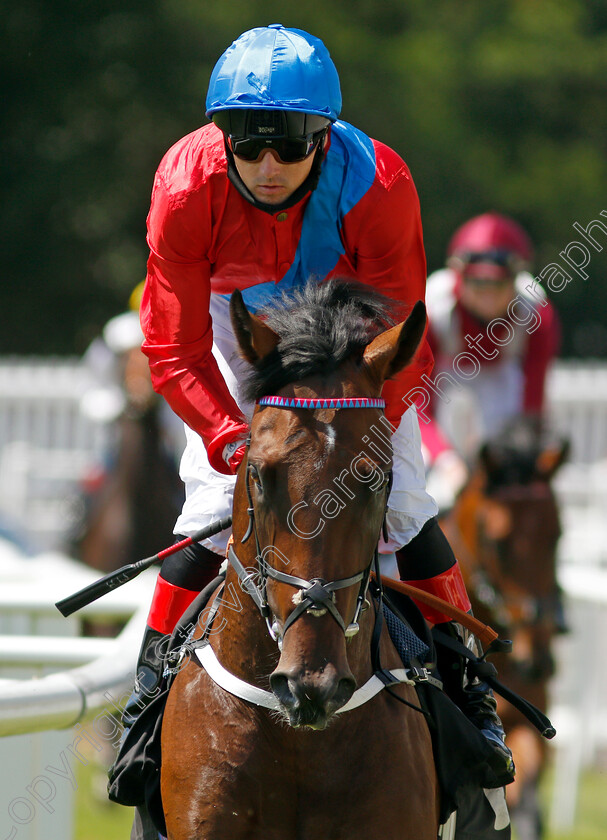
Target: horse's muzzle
{"x":311,"y":699}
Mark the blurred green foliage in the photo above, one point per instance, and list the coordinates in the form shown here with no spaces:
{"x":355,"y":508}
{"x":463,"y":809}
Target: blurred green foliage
{"x":499,"y":105}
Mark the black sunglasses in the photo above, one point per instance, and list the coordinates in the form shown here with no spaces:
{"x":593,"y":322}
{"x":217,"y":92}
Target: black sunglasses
{"x":478,"y":282}
{"x":288,"y":149}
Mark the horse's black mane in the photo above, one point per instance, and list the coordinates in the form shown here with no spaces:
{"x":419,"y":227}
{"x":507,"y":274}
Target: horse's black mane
{"x":320,"y":326}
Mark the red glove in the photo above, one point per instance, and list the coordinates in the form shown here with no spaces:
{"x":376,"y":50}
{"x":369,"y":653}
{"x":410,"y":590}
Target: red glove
{"x":234,"y":452}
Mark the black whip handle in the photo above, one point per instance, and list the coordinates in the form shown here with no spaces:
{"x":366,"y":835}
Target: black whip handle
{"x":123,"y":575}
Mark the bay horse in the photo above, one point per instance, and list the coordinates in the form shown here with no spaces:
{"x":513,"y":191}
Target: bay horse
{"x":133,"y":508}
{"x":290,"y":749}
{"x":504,"y":528}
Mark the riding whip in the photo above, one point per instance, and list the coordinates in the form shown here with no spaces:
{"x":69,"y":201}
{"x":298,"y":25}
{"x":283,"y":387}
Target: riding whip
{"x":121,"y":576}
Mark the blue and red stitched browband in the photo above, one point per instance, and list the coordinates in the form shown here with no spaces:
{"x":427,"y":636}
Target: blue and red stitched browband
{"x":315,"y":402}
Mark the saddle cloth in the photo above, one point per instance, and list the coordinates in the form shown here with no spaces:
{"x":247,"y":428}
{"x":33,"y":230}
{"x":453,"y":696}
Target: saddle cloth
{"x":407,"y":644}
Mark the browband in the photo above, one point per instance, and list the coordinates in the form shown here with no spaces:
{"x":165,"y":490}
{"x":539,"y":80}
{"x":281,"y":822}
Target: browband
{"x":314,"y":402}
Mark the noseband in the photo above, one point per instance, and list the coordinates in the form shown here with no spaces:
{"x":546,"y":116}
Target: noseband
{"x":317,"y":596}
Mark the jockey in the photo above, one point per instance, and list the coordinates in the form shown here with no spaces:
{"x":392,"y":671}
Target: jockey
{"x":275,"y":190}
{"x":493,"y":334}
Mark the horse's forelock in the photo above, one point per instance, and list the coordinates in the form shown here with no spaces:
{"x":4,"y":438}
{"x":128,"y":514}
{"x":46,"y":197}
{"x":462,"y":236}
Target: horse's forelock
{"x":320,"y":327}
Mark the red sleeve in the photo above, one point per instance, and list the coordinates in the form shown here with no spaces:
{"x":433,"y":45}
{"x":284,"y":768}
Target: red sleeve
{"x":433,"y":438}
{"x":542,"y":347}
{"x":390,"y":256}
{"x":176,"y":321}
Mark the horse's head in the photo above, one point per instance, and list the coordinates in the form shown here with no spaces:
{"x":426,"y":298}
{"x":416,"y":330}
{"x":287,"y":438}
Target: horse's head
{"x":522,"y":455}
{"x":514,"y":529}
{"x":521,"y":512}
{"x":311,"y":494}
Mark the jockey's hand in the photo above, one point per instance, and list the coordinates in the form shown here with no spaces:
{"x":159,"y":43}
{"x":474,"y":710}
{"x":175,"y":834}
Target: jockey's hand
{"x":234,"y":452}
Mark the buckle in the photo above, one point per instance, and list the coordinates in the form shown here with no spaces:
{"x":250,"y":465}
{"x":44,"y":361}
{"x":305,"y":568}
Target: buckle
{"x":175,"y":660}
{"x":420,"y":674}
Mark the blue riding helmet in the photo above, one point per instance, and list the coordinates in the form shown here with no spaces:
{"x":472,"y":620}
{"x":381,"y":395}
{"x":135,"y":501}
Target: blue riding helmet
{"x":276,"y":68}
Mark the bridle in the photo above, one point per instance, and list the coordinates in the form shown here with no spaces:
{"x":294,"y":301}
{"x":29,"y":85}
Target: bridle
{"x":493,"y":586}
{"x":317,"y":595}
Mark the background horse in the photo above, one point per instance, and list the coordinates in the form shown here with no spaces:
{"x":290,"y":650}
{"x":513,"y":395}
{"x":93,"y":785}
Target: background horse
{"x":504,"y":529}
{"x":234,"y":769}
{"x":131,"y":507}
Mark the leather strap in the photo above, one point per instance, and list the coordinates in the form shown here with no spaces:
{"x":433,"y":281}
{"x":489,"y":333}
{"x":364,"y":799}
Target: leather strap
{"x":487,"y":672}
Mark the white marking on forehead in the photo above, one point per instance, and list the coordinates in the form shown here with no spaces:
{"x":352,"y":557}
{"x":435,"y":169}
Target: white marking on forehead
{"x":330,"y":437}
{"x":330,"y":432}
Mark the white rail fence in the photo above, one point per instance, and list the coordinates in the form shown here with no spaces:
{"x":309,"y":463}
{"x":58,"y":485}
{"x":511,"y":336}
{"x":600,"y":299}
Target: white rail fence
{"x":54,"y":722}
{"x":47,"y":445}
{"x":577,"y":398}
{"x":579,"y":690}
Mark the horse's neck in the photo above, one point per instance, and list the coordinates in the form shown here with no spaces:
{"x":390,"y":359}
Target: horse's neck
{"x":538,"y":525}
{"x":461,"y":525}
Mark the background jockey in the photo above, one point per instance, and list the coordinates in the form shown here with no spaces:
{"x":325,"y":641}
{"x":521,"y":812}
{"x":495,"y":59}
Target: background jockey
{"x":132,"y":493}
{"x":274,"y":191}
{"x":493,"y":334}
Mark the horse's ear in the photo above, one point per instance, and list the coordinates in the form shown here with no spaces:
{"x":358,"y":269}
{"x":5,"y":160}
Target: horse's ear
{"x":255,"y":338}
{"x":393,"y":349}
{"x":550,"y":459}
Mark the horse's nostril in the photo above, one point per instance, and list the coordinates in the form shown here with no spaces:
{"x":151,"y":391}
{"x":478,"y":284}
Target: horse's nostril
{"x":345,"y":690}
{"x":279,"y":683}
{"x":293,"y":691}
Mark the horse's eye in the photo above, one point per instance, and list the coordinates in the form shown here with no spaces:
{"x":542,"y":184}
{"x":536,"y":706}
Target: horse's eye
{"x":254,"y":473}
